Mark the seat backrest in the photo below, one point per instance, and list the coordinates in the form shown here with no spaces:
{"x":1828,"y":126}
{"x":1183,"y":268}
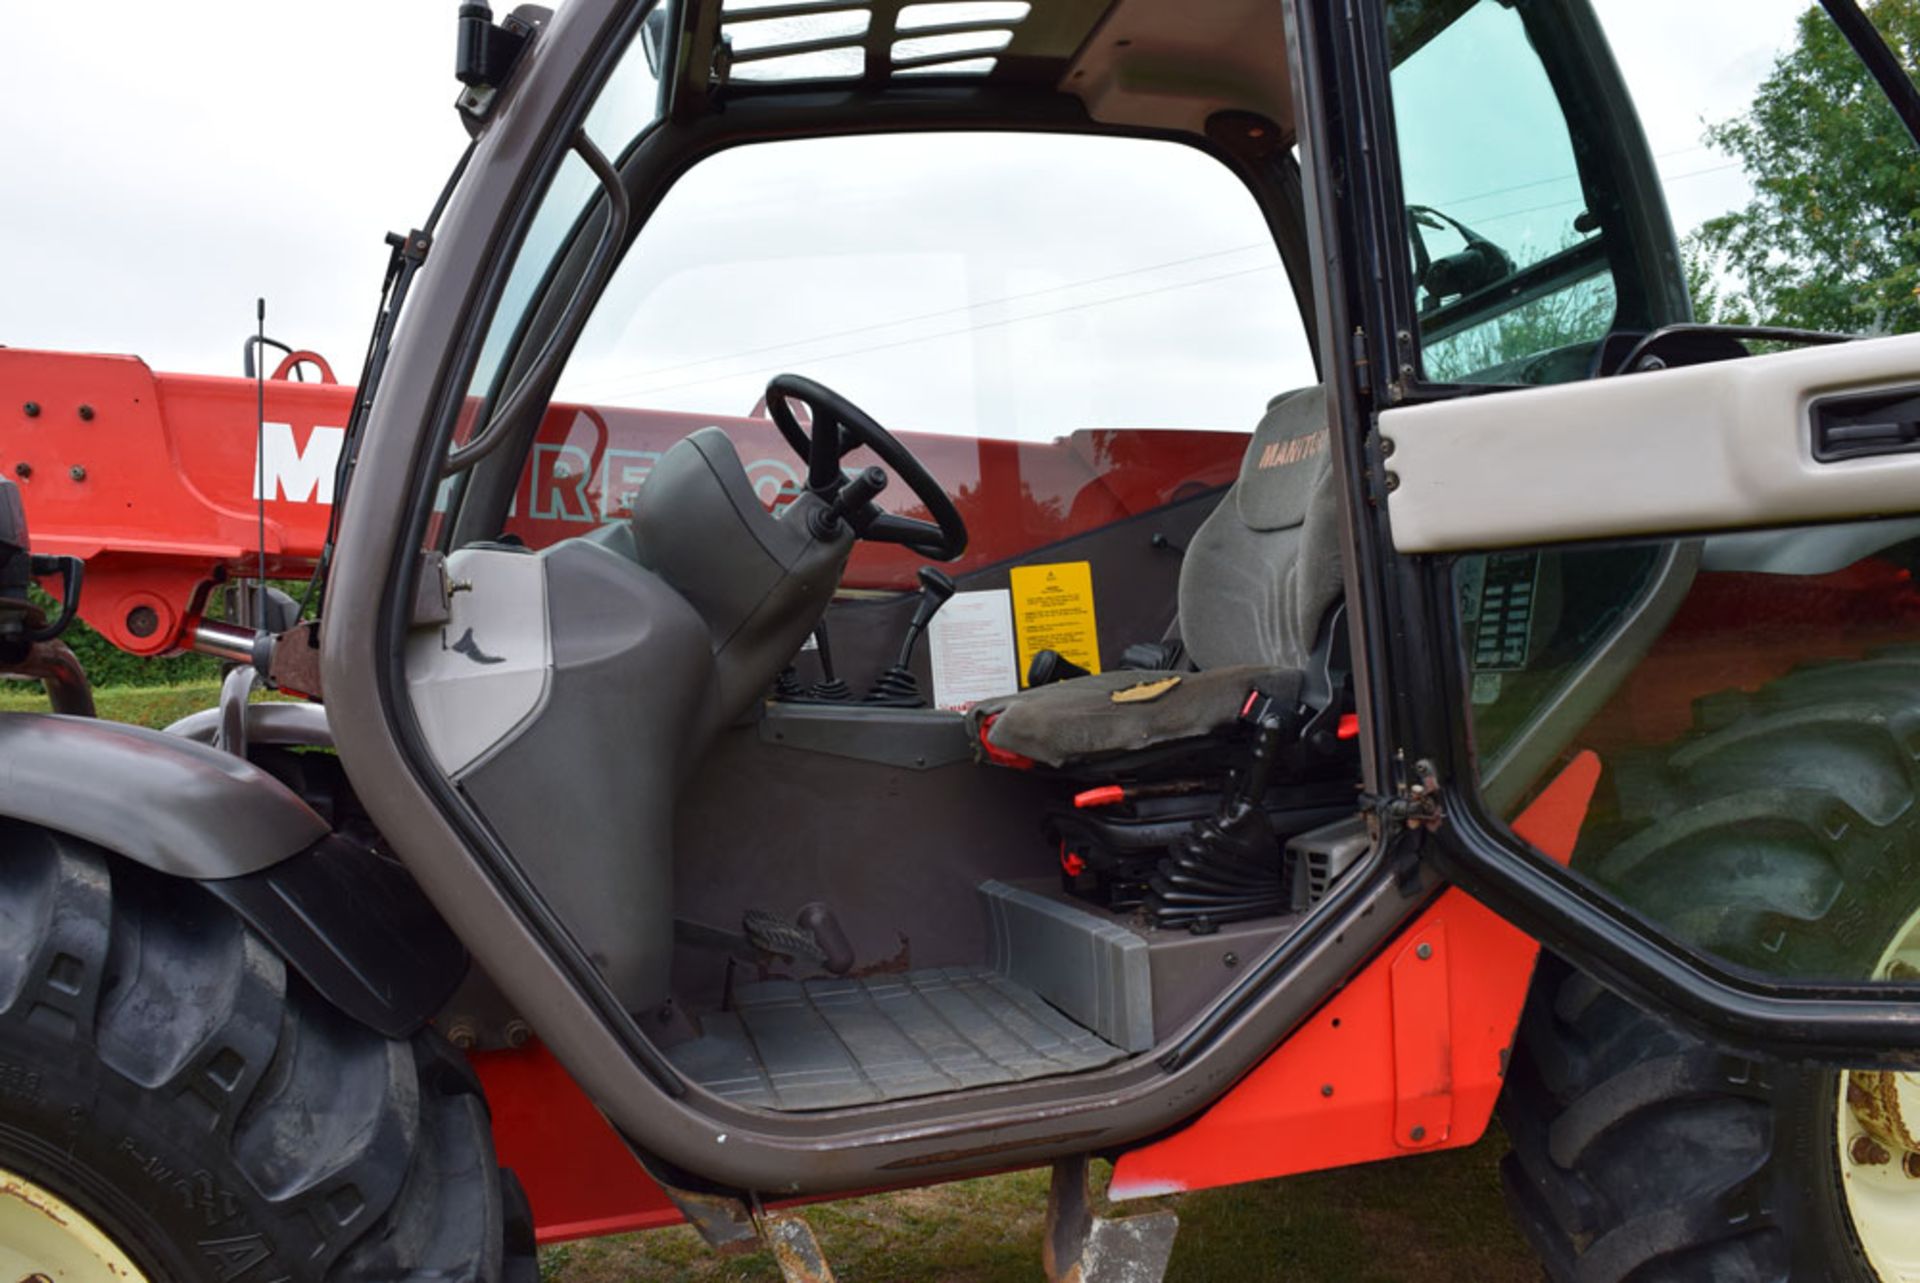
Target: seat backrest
{"x":1263,"y":571}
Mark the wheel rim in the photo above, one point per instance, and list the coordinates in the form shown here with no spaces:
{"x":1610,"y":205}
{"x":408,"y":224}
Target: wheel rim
{"x":45,"y":1239}
{"x":1879,"y":1126}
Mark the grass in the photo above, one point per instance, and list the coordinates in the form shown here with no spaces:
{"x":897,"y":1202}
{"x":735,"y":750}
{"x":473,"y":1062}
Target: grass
{"x":154,"y":706}
{"x":1436,"y":1218}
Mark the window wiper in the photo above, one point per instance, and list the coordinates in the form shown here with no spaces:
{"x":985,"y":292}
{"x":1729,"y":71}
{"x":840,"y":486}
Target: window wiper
{"x":407,"y":255}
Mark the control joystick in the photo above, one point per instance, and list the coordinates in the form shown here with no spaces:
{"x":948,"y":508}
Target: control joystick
{"x":829,"y":689}
{"x":897,"y":687}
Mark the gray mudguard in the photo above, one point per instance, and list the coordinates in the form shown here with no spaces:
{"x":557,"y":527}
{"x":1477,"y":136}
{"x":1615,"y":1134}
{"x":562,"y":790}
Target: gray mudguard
{"x":161,"y":800}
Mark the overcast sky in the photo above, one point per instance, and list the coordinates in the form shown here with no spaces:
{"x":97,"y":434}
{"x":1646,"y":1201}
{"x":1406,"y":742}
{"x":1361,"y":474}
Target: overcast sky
{"x":166,"y":164}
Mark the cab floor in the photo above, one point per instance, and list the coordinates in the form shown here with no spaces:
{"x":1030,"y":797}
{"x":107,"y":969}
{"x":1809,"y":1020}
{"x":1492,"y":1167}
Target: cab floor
{"x":827,"y":1043}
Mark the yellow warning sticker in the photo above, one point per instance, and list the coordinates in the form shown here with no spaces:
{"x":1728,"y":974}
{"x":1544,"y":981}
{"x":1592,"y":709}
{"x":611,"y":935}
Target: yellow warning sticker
{"x":1053,"y":610}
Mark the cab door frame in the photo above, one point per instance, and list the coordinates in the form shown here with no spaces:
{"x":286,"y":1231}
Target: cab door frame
{"x":1410,"y":677}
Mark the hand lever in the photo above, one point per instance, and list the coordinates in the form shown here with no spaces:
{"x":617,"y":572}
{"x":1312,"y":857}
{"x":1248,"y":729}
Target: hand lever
{"x":898,"y":686}
{"x":935,"y":588}
{"x":829,"y":688}
{"x":855,"y":495}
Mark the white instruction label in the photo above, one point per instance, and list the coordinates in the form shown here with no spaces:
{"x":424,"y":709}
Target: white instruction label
{"x":970,"y":643}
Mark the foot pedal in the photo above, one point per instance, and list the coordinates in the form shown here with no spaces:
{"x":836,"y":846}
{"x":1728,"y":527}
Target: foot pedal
{"x":1081,"y":1247}
{"x":815,"y":937}
{"x":771,"y":933}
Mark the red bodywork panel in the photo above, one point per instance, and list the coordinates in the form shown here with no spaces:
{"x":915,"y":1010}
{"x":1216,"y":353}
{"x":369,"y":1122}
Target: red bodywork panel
{"x":580,"y":1178}
{"x":150,"y":479}
{"x":1409,"y":1057}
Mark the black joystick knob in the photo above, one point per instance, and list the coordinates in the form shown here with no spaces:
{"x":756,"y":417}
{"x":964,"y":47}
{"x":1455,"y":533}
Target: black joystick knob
{"x":897,"y":686}
{"x":854,"y":496}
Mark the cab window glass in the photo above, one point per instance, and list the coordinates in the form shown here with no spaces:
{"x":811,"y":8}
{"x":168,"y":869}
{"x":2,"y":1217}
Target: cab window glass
{"x":1743,"y":701}
{"x":627,"y":104}
{"x":1499,"y":235}
{"x":1747,"y":705}
{"x":1008,"y":286}
{"x":1068,"y":330}
{"x":1545,"y":207}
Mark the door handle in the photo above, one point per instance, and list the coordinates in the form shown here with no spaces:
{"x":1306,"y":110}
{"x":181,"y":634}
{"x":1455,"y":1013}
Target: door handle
{"x":1869,"y":424}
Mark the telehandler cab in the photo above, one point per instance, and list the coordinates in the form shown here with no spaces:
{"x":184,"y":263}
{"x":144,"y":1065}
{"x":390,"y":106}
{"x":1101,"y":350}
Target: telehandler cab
{"x":1204,"y":815}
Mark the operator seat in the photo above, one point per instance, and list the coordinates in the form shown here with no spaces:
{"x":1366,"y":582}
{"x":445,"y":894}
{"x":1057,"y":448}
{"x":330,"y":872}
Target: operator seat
{"x":1257,"y":585}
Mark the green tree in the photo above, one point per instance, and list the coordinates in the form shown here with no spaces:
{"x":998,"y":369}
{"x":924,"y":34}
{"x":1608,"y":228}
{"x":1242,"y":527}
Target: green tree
{"x":1831,"y":238}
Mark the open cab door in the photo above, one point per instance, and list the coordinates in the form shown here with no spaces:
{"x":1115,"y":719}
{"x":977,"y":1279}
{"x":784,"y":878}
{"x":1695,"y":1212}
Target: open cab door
{"x":1593,"y":530}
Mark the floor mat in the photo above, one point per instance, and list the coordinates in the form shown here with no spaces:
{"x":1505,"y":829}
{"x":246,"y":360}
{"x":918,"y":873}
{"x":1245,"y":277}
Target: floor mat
{"x":828,"y":1043}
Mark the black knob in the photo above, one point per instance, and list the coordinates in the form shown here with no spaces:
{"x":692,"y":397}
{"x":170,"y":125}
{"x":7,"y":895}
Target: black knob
{"x":856,"y":494}
{"x":898,"y":686}
{"x":935,"y":588}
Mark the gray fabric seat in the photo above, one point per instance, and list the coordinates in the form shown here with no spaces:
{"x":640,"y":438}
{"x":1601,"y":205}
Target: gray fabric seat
{"x":1258,"y":581}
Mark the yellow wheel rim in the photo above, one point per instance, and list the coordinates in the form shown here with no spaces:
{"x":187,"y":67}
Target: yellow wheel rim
{"x":45,"y":1239}
{"x":1879,"y":1126}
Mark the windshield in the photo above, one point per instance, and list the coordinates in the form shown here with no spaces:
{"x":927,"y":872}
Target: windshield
{"x":1022,"y":286}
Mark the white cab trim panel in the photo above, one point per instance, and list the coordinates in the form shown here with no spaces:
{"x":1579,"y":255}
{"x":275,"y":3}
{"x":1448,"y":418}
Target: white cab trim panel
{"x":483,"y":672}
{"x":1704,"y":447}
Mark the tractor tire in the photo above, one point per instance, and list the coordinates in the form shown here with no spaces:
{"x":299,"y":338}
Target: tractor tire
{"x":164,"y":1074}
{"x":1781,"y":833}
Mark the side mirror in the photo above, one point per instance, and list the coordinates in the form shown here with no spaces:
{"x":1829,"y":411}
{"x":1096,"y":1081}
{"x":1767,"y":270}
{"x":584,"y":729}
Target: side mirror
{"x":1480,"y":264}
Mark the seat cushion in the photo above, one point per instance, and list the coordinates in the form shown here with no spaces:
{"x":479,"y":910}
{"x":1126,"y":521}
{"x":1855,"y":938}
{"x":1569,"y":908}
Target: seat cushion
{"x":1079,"y":720}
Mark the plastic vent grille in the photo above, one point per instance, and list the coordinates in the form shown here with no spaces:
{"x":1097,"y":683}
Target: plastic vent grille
{"x":786,"y":41}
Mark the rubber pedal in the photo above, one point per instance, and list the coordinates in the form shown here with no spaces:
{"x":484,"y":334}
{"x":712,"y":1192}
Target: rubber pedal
{"x":771,"y":933}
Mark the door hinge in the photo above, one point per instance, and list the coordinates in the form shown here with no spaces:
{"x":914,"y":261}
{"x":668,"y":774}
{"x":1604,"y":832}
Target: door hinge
{"x":1414,"y":802}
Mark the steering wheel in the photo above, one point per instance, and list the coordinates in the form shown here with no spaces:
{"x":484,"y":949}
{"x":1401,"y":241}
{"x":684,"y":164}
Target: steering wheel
{"x":841,"y":427}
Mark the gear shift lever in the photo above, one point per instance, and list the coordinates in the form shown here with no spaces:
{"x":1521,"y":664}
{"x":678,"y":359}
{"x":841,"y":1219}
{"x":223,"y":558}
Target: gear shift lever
{"x":897,"y":687}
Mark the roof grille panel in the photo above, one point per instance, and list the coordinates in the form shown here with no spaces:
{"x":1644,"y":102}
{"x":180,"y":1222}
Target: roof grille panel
{"x":846,"y":62}
{"x":958,"y":44}
{"x":747,"y":8}
{"x":809,"y":30}
{"x":784,"y":41}
{"x":944,"y":12}
{"x":964,"y":67}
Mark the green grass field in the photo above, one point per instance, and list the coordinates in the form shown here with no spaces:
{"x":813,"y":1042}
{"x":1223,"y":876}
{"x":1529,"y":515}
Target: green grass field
{"x":154,"y":706}
{"x":1436,"y":1218}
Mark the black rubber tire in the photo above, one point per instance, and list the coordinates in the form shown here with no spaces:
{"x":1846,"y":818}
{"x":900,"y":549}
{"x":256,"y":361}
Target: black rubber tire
{"x":1782,"y":832}
{"x":163,"y":1071}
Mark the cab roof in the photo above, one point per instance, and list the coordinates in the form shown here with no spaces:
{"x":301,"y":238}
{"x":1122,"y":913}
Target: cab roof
{"x":1141,"y":63}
